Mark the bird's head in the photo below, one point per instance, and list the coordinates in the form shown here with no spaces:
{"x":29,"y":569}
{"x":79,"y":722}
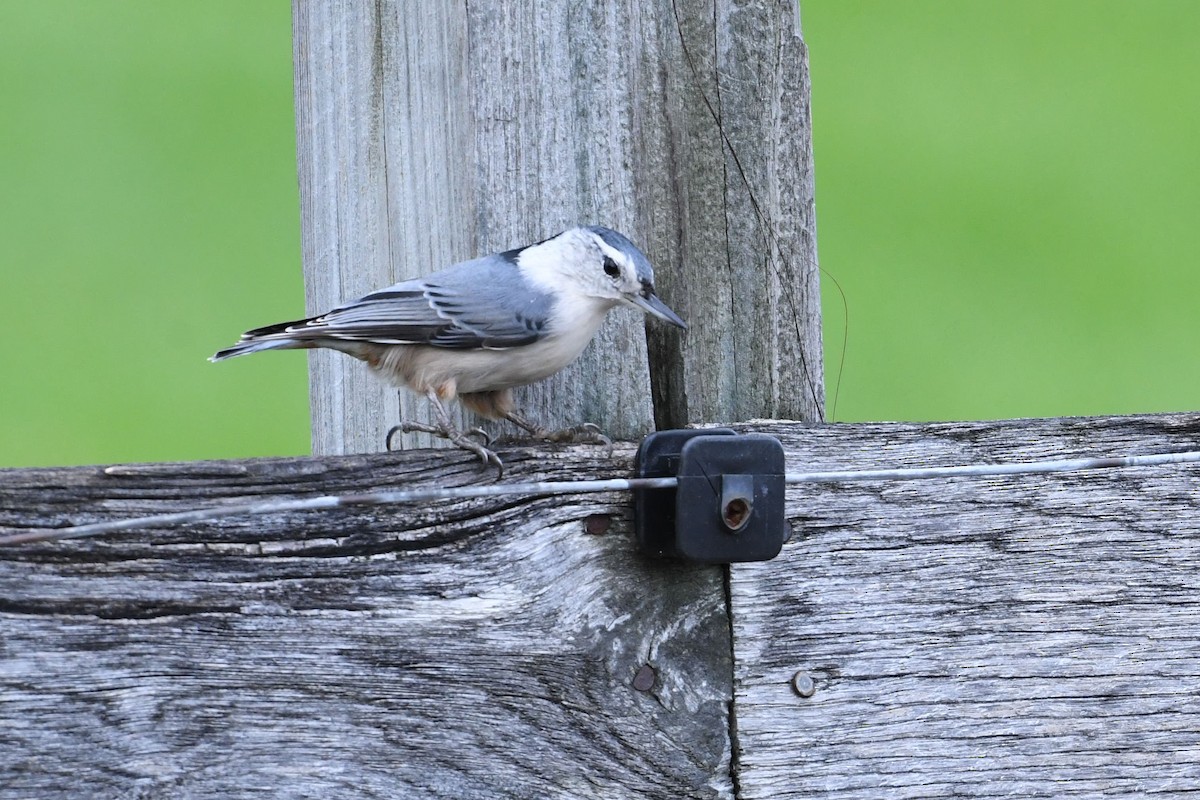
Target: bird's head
{"x":596,"y":263}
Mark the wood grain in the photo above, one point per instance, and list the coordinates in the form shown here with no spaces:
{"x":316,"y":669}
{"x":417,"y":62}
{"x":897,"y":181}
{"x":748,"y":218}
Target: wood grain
{"x":381,"y":131}
{"x":1033,"y":636}
{"x":726,"y":181}
{"x":1029,"y":636}
{"x":429,"y":133}
{"x":461,"y":650}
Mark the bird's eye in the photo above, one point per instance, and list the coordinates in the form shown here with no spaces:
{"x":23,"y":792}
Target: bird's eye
{"x":611,"y":269}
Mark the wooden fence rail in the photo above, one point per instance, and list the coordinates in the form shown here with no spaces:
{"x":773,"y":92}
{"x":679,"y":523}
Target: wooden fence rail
{"x":1034,"y":636}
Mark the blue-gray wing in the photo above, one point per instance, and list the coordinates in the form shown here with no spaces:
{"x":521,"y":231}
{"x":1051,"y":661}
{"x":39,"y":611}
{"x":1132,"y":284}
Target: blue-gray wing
{"x":482,"y":303}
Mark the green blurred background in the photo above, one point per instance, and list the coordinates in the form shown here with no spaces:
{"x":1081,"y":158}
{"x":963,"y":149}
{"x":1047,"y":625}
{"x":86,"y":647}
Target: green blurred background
{"x":1006,"y":191}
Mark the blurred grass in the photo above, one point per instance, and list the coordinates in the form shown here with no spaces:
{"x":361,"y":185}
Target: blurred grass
{"x":1009,"y":195}
{"x":1007,"y":192}
{"x":149,"y":213}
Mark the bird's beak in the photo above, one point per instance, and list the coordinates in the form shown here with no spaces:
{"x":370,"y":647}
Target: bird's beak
{"x":648,"y":301}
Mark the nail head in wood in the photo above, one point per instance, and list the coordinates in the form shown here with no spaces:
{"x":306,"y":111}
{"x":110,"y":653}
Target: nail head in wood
{"x":645,"y":678}
{"x":804,"y":684}
{"x":597,"y":524}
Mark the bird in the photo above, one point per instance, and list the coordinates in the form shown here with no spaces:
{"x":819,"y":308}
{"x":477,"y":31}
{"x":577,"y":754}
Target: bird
{"x":477,"y":329}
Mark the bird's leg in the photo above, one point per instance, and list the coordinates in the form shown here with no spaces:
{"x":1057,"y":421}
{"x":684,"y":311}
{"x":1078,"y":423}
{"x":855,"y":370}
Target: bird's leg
{"x":585,"y":433}
{"x":445,"y":430}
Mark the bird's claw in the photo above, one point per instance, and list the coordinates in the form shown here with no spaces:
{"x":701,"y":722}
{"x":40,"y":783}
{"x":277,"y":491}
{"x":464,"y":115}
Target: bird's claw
{"x":412,"y":427}
{"x":483,"y":435}
{"x":485,"y":455}
{"x":586,"y":433}
{"x":461,"y":440}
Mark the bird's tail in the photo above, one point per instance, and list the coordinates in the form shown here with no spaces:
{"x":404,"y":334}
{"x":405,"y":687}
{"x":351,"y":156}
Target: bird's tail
{"x":256,"y":345}
{"x":269,"y":337}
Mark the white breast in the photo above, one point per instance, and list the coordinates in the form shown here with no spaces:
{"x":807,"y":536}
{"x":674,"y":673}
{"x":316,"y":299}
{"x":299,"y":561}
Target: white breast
{"x":422,"y":368}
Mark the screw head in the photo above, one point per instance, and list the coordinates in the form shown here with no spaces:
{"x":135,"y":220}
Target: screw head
{"x":597,"y":524}
{"x":645,"y":678}
{"x":803,"y":684}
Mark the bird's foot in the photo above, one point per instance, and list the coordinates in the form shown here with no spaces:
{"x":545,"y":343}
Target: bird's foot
{"x":585,"y":433}
{"x":458,"y":438}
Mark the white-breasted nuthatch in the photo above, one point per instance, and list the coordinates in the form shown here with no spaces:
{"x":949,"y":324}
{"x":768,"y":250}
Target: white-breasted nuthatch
{"x":477,"y":329}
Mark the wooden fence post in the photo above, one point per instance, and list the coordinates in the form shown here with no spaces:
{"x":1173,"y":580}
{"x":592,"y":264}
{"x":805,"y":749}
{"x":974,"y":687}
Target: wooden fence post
{"x":429,"y":133}
{"x":433,"y":132}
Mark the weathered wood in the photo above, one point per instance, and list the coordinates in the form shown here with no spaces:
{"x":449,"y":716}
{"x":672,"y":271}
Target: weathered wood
{"x":1031,"y":636}
{"x":432,"y":132}
{"x":733,"y":226}
{"x":381,"y":135}
{"x":458,"y":650}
